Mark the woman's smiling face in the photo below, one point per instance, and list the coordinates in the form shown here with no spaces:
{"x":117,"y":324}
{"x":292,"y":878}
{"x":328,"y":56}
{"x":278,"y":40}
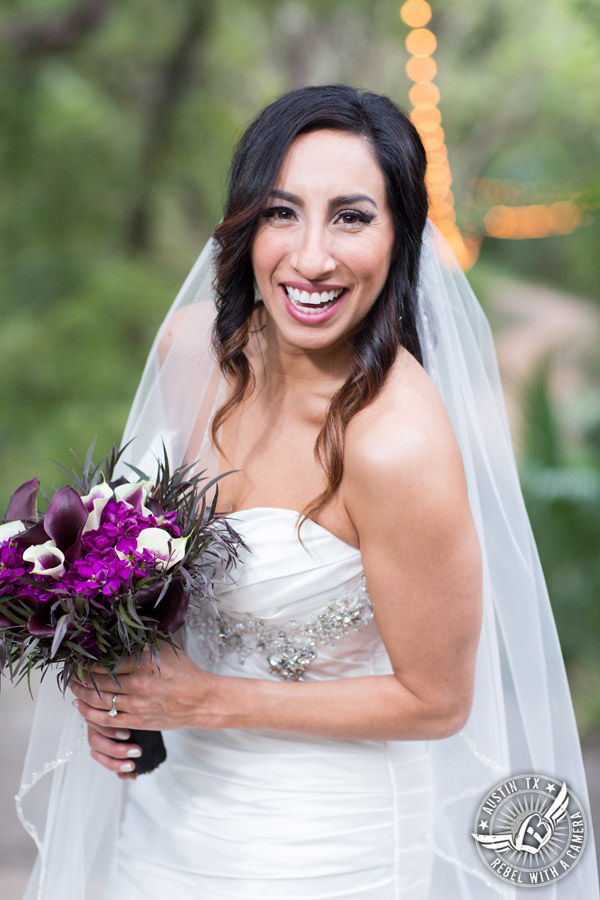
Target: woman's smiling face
{"x":323,"y":246}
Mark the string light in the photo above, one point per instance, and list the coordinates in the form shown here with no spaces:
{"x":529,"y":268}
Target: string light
{"x":536,"y":220}
{"x":424,"y":96}
{"x":510,"y":212}
{"x":421,"y":68}
{"x":416,"y":13}
{"x":421,"y":42}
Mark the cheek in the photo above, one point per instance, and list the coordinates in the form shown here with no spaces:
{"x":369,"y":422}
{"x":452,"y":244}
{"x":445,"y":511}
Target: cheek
{"x":372,"y":268}
{"x":267,"y":250}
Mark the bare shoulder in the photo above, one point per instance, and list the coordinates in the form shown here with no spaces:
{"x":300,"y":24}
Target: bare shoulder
{"x":405,"y":491}
{"x":402,"y":445}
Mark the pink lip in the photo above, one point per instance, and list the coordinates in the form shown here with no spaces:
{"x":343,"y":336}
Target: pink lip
{"x":312,"y":288}
{"x":311,"y":318}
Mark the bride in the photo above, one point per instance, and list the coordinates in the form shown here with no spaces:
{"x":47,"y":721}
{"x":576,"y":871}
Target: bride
{"x":385,"y":654}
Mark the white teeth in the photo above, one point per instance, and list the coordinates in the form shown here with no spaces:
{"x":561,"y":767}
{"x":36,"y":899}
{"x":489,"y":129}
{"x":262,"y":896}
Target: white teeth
{"x":314,"y":302}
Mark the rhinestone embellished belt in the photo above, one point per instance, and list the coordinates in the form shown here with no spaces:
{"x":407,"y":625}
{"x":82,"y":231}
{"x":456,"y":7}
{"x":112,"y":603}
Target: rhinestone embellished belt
{"x":289,"y":651}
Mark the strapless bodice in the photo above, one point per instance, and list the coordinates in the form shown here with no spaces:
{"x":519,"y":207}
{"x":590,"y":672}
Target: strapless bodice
{"x":294,"y":606}
{"x":271,"y":814}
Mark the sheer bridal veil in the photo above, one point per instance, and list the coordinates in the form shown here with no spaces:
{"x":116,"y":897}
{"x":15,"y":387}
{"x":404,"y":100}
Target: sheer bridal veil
{"x":522,"y":718}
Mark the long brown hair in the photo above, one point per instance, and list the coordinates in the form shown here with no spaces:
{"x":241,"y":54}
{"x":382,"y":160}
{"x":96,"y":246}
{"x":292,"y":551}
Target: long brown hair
{"x":391,"y":321}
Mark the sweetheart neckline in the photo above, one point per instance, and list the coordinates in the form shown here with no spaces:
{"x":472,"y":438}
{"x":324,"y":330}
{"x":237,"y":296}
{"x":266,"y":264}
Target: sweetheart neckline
{"x":293,"y":512}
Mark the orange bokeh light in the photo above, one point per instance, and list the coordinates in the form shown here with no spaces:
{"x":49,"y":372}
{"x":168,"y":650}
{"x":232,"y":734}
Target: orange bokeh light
{"x":427,"y":113}
{"x":433,"y":141}
{"x":432,"y":144}
{"x":567,"y":216}
{"x":424,"y":92}
{"x":537,"y":220}
{"x":415,"y":13}
{"x":421,"y":68}
{"x":501,"y":221}
{"x":438,"y":157}
{"x":427,"y":128}
{"x":441,"y":210}
{"x":465,"y":249}
{"x":438,"y":179}
{"x":421,"y":42}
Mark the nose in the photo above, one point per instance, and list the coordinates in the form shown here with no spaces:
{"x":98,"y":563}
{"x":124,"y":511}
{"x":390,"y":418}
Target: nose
{"x":311,"y":255}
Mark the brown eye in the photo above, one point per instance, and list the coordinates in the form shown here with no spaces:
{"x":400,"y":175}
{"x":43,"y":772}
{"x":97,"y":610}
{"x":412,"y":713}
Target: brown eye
{"x":279,"y":214}
{"x":354,"y":217}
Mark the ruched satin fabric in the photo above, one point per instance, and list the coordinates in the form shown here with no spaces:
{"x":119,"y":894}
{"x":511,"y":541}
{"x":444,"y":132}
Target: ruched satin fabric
{"x":272,"y":816}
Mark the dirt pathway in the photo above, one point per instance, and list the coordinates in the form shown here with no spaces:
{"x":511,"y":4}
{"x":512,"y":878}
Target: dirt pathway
{"x":533,"y":320}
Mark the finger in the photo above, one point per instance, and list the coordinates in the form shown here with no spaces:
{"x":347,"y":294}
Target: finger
{"x":114,"y":765}
{"x":101,"y":717}
{"x":103,"y":683}
{"x":100,"y":700}
{"x":115,"y":734}
{"x":118,"y":750}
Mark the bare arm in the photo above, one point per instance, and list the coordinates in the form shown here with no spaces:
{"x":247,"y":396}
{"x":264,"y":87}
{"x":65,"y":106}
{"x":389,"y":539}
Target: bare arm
{"x":422,"y":561}
{"x":407,"y":498}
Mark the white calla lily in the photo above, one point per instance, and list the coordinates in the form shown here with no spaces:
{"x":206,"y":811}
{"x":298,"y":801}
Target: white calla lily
{"x":47,"y":559}
{"x":95,"y":502}
{"x":135,"y":494}
{"x":10,"y":529}
{"x":166,"y":550}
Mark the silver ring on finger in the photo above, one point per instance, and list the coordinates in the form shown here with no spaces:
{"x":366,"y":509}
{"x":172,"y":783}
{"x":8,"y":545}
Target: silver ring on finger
{"x":113,"y":710}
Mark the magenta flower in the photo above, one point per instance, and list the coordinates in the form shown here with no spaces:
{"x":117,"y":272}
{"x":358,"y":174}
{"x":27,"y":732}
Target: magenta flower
{"x":104,"y":574}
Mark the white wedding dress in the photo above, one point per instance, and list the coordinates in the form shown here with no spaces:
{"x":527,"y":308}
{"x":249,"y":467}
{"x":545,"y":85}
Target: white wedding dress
{"x":269,"y":815}
{"x":274,"y":816}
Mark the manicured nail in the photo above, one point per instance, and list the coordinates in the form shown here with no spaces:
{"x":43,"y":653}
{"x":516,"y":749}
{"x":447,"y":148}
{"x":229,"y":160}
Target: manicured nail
{"x":135,"y":751}
{"x":122,"y":735}
{"x":75,"y":704}
{"x":127,"y":767}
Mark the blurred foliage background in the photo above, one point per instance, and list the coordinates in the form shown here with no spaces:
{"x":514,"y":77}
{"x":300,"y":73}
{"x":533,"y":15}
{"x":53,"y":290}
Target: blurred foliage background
{"x":118,"y":121}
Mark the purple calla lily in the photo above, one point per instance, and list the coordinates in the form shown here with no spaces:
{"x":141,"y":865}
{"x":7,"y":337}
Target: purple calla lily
{"x":155,"y":508}
{"x":65,"y":520}
{"x":135,"y":495}
{"x":37,"y":627}
{"x":47,"y":560}
{"x":22,"y":504}
{"x":173,"y":607}
{"x":94,"y":503}
{"x":165,"y":551}
{"x":33,"y":535}
{"x":171,"y":610}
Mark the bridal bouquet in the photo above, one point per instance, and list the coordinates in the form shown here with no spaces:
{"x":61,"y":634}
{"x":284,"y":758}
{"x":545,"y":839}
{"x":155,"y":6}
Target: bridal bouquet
{"x":107,"y":572}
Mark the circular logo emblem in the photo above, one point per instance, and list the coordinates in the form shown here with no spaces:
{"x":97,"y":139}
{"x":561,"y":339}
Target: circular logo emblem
{"x":530,"y":830}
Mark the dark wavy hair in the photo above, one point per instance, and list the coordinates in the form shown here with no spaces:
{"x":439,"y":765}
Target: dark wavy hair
{"x":391,"y":321}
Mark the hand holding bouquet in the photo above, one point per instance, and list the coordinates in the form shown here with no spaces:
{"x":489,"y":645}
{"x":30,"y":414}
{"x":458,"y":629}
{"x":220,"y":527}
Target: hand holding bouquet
{"x":107,"y":572}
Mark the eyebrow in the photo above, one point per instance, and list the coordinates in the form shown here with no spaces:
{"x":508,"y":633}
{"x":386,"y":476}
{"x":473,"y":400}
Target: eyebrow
{"x":337,"y":201}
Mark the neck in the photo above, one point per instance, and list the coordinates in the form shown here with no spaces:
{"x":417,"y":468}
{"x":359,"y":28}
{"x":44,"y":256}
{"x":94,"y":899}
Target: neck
{"x":287,"y":369}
